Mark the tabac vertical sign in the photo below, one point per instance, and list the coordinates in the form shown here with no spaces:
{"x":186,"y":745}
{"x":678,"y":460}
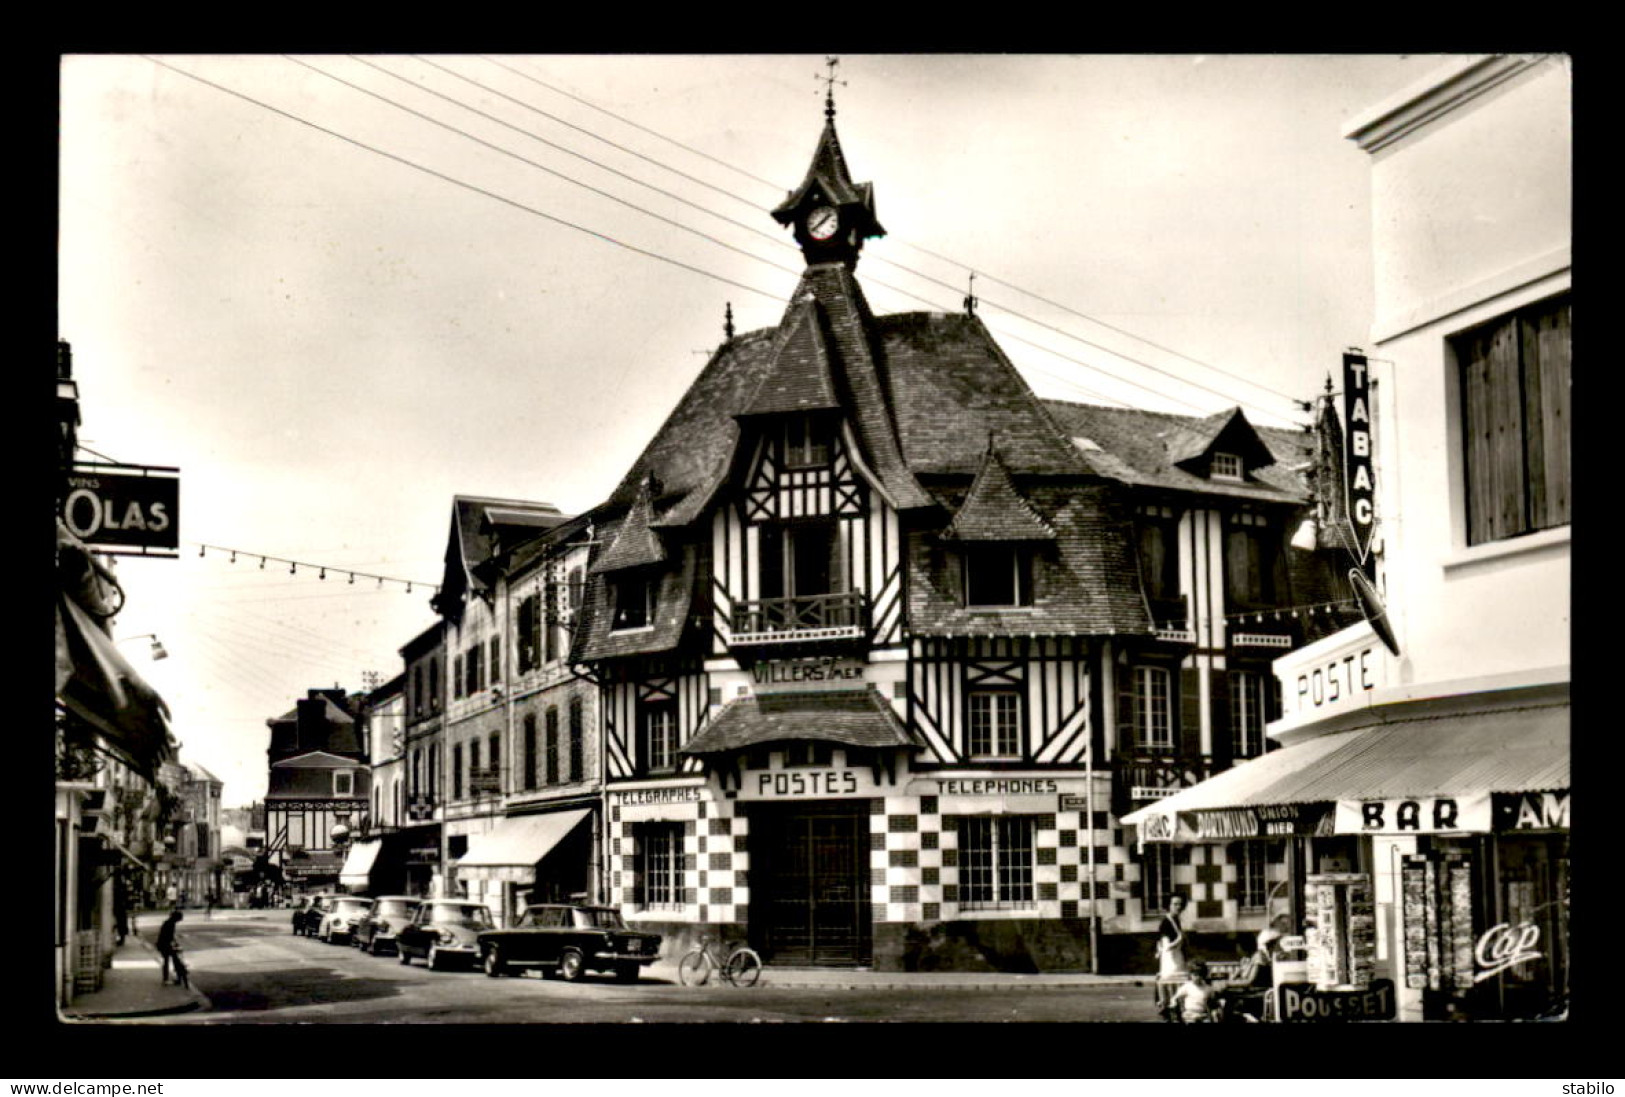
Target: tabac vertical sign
{"x":1358,"y":477}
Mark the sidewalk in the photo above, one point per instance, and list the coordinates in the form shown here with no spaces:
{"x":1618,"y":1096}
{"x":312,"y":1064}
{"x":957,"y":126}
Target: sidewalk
{"x":131,"y":987}
{"x":866,"y":979}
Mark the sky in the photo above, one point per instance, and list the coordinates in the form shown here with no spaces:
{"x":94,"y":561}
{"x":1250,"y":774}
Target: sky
{"x":337,"y":291}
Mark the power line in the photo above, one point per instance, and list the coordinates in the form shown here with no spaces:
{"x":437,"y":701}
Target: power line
{"x":458,"y":182}
{"x":925,"y":251}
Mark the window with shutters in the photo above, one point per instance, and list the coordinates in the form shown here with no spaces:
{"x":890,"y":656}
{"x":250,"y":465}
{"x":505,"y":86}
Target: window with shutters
{"x":1152,"y":708}
{"x":530,"y":751}
{"x":1255,"y":563}
{"x":529,"y":633}
{"x":550,"y":619}
{"x":996,"y":862}
{"x":1515,"y":410}
{"x":552,"y":747}
{"x":496,"y":659}
{"x":493,"y":747}
{"x":1159,"y":562}
{"x":456,"y":676}
{"x":578,"y":739}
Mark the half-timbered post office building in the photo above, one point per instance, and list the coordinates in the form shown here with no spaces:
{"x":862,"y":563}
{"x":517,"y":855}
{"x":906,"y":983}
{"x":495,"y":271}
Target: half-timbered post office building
{"x":865,"y":616}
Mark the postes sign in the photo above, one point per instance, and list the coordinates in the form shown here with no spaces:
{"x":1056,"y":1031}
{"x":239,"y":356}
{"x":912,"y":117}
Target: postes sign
{"x":130,"y":507}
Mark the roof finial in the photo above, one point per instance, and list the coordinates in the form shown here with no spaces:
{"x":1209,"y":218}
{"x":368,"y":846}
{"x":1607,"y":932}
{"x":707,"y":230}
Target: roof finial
{"x":728,"y":322}
{"x":970,"y":296}
{"x":829,"y":87}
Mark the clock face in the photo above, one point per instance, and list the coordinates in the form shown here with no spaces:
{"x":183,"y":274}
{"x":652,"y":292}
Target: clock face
{"x":822,"y":223}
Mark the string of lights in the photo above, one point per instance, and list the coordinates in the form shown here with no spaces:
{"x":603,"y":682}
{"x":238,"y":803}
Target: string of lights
{"x":321,"y":570}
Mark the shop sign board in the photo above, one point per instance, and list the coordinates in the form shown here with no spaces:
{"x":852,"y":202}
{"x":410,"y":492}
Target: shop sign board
{"x":1303,"y":1002}
{"x":131,"y":507}
{"x":1358,"y":475}
{"x":810,"y":783}
{"x":1333,"y":676}
{"x":1226,"y":824}
{"x":792,"y":675}
{"x":679,"y":794}
{"x":1418,"y":815}
{"x":1532,"y":811}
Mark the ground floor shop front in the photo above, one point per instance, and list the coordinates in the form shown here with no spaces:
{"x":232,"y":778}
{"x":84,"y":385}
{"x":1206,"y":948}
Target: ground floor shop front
{"x":831,"y":856}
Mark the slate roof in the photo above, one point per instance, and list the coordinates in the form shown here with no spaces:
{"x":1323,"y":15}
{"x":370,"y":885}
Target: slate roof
{"x":1085,"y":582}
{"x":1143,"y":448}
{"x":634,"y":544}
{"x":994,"y":510}
{"x":483,"y":526}
{"x":675,"y":595}
{"x":798,"y":378}
{"x":854,"y":717}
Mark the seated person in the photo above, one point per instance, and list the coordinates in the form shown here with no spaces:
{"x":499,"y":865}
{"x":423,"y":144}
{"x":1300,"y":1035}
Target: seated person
{"x":1195,"y":997}
{"x":1245,"y":995}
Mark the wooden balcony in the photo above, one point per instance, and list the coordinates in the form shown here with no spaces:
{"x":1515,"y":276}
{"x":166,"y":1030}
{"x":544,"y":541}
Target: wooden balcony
{"x":1141,"y":775}
{"x":803,"y":619}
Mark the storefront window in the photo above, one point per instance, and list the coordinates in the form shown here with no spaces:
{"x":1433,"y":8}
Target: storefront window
{"x":658,"y":865}
{"x":996,"y":862}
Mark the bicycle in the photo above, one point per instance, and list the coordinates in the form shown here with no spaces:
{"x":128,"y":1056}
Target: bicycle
{"x":741,"y":969}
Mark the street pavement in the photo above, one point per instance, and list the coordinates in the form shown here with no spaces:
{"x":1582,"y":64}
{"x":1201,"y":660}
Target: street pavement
{"x":132,"y":989}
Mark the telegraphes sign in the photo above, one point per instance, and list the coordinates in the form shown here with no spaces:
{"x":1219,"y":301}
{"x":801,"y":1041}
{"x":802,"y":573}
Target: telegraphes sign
{"x":1302,"y":1002}
{"x":135,"y":508}
{"x":1358,"y":476}
{"x":1415,"y":815}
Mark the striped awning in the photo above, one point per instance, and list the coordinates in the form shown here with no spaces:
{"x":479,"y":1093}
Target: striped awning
{"x":357,"y":870}
{"x":511,"y":849}
{"x":1506,"y":750}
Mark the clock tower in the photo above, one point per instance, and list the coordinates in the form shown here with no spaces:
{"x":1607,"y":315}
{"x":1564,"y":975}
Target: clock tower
{"x":830,"y":215}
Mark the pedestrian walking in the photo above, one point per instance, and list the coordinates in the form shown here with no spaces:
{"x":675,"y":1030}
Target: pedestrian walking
{"x":208,"y":910}
{"x":1172,"y":967}
{"x":168,"y":946}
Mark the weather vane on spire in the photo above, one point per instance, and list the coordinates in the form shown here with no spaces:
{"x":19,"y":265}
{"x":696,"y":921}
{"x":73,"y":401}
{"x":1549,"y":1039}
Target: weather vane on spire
{"x":829,"y":86}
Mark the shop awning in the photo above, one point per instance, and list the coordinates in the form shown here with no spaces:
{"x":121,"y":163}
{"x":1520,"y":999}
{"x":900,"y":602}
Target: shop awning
{"x":1511,"y":749}
{"x":511,"y":849}
{"x":855,"y":717}
{"x":96,"y":684}
{"x":357,"y":870}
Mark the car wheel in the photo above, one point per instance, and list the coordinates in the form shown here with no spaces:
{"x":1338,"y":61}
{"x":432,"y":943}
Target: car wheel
{"x":406,"y":957}
{"x":494,"y":966}
{"x":572,"y":965}
{"x":626,"y":973}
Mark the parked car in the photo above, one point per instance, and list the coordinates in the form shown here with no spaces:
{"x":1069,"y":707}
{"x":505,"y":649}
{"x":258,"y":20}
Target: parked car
{"x":376,"y":930}
{"x":308,"y":911}
{"x":443,"y":929}
{"x":339,"y":920}
{"x":570,"y":940}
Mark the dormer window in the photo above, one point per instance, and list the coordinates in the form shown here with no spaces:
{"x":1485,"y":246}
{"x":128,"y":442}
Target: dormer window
{"x":1227,"y":466}
{"x":998,"y":576}
{"x":343,"y":783}
{"x":806,"y":443}
{"x":634,"y":602}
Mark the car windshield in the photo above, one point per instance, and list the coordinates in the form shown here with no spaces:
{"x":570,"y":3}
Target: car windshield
{"x":449,"y":914}
{"x":394,"y":907}
{"x":598,"y":918}
{"x":351,"y":906}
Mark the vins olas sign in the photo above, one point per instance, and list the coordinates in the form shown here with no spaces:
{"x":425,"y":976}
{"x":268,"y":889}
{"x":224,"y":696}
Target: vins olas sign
{"x":133,"y":507}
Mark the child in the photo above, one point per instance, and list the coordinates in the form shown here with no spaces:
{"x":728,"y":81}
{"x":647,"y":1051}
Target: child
{"x":1194,"y":997}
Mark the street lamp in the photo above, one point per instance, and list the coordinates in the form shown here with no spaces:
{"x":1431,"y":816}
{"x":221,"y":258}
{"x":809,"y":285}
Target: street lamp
{"x":158,"y":651}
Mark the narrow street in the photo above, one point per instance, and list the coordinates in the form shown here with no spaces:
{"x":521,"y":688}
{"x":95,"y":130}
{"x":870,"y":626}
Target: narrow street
{"x":255,"y":971}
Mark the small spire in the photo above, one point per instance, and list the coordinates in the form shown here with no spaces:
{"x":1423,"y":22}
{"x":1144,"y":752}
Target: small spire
{"x":829,"y":87}
{"x":970,"y":296}
{"x":728,"y":322}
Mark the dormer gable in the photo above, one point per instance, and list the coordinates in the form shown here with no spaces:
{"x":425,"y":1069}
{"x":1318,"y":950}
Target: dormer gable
{"x":1224,"y":446}
{"x":995,"y":509}
{"x":636,"y":544}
